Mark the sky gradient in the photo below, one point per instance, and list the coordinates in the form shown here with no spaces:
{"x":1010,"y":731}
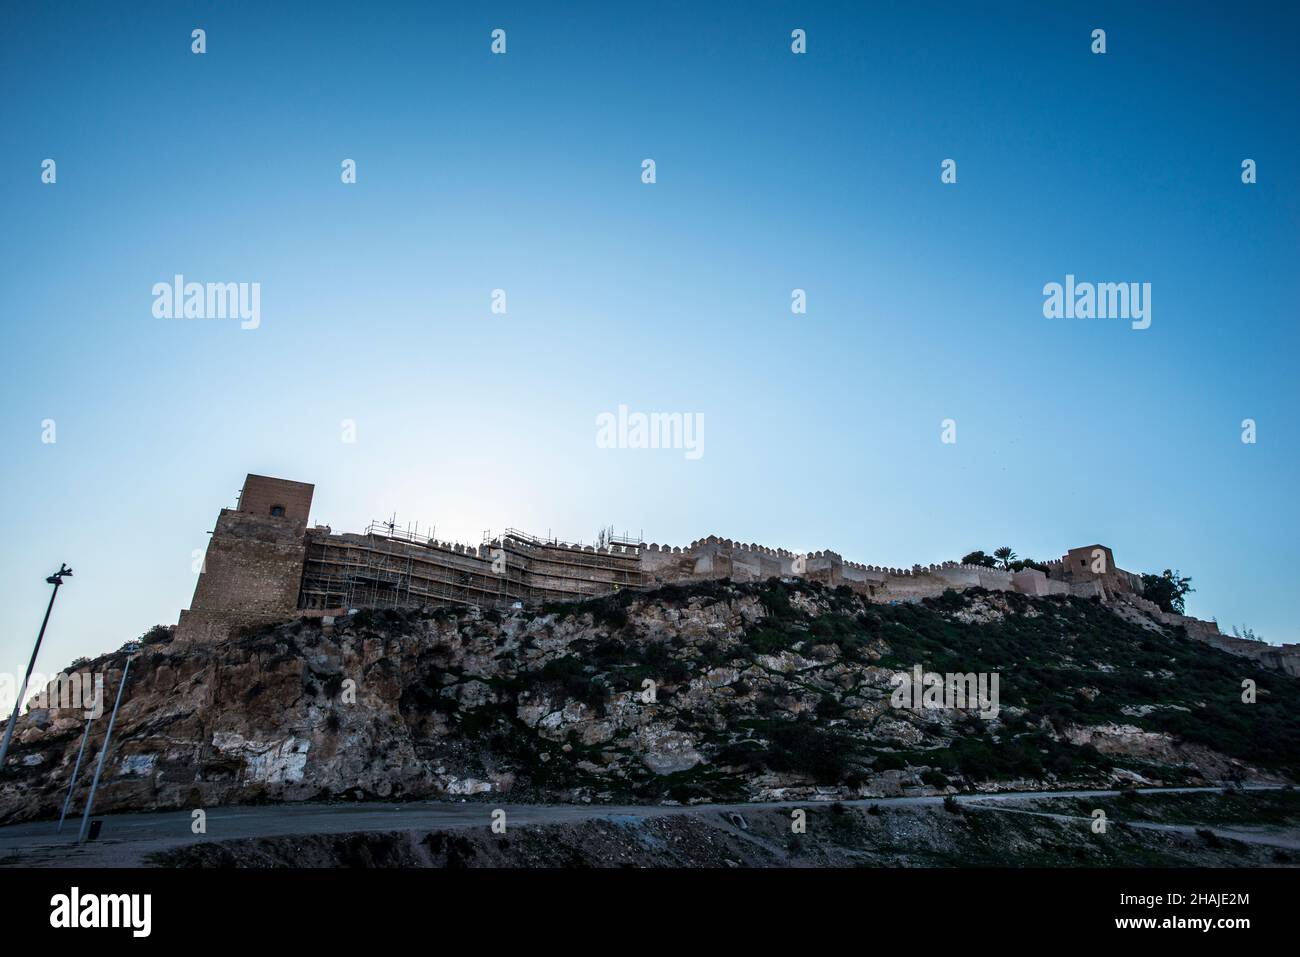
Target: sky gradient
{"x":523,"y":172}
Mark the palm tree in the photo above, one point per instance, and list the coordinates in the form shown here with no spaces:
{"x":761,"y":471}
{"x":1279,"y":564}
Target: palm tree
{"x":1005,"y":555}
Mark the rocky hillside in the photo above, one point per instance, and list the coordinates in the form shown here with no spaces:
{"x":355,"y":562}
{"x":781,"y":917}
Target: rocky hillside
{"x":774,"y":690}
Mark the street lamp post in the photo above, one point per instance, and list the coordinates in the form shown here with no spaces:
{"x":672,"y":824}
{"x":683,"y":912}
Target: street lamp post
{"x":56,"y":580}
{"x":131,"y":649}
{"x":75,"y":770}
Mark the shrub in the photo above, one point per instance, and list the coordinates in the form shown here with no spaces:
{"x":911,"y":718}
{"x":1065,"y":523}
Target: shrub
{"x":801,"y":747}
{"x":888,"y":762}
{"x":934,"y":777}
{"x":157,"y":635}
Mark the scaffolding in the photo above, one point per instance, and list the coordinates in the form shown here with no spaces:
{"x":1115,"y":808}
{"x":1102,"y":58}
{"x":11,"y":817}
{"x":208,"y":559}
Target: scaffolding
{"x":387,"y":567}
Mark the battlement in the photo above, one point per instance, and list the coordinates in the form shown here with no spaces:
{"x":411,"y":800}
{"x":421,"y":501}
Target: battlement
{"x":264,"y":564}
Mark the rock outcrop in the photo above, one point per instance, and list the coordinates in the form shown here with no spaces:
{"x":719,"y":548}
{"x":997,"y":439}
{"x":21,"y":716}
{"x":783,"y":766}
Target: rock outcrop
{"x":712,"y":691}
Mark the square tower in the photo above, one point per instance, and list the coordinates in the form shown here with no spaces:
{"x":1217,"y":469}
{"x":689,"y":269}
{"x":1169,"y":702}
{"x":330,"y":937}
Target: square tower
{"x":252,"y":571}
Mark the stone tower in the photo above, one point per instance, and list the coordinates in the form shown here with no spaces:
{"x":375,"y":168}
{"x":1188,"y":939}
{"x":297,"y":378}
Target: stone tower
{"x":252,"y":571}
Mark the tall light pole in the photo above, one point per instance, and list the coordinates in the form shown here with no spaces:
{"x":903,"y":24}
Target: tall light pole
{"x":56,"y":580}
{"x":131,"y":649}
{"x":76,"y":769}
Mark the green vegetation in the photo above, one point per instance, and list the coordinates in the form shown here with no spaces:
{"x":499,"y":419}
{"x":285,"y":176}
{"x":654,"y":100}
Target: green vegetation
{"x":1048,"y":649}
{"x":157,"y":635}
{"x":1004,"y":557}
{"x":1062,"y":662}
{"x":1168,"y":590}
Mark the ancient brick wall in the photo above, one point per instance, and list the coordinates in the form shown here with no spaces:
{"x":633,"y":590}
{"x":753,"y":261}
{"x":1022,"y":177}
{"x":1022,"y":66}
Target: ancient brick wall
{"x":263,"y":495}
{"x":262,"y":565}
{"x":396,"y":570}
{"x":252,"y":571}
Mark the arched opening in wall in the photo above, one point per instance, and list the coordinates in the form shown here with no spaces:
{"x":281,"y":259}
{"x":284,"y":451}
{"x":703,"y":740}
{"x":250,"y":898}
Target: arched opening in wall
{"x":277,"y":511}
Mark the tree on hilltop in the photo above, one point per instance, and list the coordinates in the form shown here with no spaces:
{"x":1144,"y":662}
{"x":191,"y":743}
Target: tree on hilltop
{"x":1168,"y":590}
{"x":1005,"y":555}
{"x":1021,"y":564}
{"x":978,"y":558}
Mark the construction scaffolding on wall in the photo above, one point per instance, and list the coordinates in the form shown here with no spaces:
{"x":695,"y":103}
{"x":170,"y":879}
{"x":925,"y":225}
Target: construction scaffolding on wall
{"x":390,"y":568}
{"x":377,"y":571}
{"x":556,"y":571}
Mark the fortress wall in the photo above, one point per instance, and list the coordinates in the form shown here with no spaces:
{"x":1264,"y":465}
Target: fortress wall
{"x":257,"y":558}
{"x":263,"y":566}
{"x":715,"y":558}
{"x":1129,"y":581}
{"x":262,"y":494}
{"x":558,"y":572}
{"x":348,"y":570}
{"x":252,"y":569}
{"x":1196,"y":627}
{"x":655,"y":558}
{"x":1075,"y":568}
{"x":995,"y":579}
{"x":382,"y":571}
{"x":903,"y":587}
{"x":676,"y":564}
{"x":750,"y":565}
{"x":1148,"y":606}
{"x":929,"y":581}
{"x":1282,"y":657}
{"x":1032,"y":581}
{"x":863,"y":579}
{"x":959,"y":576}
{"x":718,"y":558}
{"x":1029,"y":581}
{"x":824,"y":567}
{"x":1285,"y":658}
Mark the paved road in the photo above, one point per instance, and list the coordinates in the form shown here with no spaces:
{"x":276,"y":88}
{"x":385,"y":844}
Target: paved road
{"x":126,"y":839}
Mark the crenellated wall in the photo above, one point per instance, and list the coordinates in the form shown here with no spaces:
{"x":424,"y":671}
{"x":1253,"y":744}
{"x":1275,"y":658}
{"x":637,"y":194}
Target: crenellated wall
{"x":263,"y":564}
{"x":716,"y":558}
{"x":386,"y":569}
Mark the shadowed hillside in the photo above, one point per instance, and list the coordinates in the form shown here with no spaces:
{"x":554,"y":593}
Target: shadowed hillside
{"x":772,"y":690}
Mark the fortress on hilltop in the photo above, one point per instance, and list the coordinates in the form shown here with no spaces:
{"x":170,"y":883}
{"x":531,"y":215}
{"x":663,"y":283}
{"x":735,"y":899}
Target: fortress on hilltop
{"x":266,"y":564}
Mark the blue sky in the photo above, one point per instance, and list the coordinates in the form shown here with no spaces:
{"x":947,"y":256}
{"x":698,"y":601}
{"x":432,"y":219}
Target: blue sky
{"x":775,"y":172}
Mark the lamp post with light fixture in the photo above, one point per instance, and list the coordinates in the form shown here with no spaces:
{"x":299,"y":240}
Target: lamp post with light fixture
{"x":131,"y":648}
{"x":56,"y":580}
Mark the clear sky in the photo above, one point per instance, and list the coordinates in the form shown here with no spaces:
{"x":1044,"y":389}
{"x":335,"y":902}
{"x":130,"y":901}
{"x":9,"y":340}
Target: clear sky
{"x":522,"y":172}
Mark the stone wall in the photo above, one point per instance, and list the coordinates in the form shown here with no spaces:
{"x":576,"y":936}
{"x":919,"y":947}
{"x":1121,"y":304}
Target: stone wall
{"x":1284,"y":657}
{"x":263,"y":565}
{"x":252,"y":571}
{"x":1091,"y":570}
{"x":717,"y":558}
{"x":714,"y":557}
{"x":262,"y":495}
{"x":396,"y":570}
